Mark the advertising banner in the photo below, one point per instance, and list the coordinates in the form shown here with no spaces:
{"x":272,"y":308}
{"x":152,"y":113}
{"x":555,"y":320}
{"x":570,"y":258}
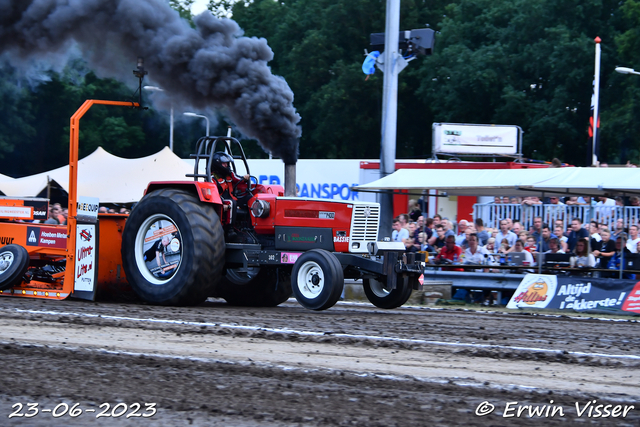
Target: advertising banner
{"x":87,"y":209}
{"x":85,"y":257}
{"x":577,"y":294}
{"x":458,"y":138}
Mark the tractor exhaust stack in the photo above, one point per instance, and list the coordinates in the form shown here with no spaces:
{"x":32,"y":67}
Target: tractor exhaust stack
{"x":290,"y":180}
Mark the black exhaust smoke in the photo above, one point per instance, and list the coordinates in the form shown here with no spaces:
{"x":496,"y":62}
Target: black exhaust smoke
{"x":209,"y":66}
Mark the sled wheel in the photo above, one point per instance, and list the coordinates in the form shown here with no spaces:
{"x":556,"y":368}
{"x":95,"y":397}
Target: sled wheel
{"x":256,"y":287}
{"x":378,"y":294}
{"x":317,"y":279}
{"x":173,"y":248}
{"x":14,"y":261}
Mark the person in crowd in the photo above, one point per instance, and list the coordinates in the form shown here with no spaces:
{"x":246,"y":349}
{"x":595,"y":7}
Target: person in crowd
{"x":497,"y":200}
{"x":509,"y":223}
{"x":531,"y":200}
{"x":429,"y":227}
{"x":523,"y":235}
{"x":530,"y":245}
{"x":607,"y":248}
{"x":449,"y":252}
{"x":634,"y":201}
{"x":103,"y":209}
{"x":483,"y":235}
{"x":412,"y":227}
{"x":410,"y":242}
{"x":516,"y":227}
{"x":616,"y":259}
{"x":504,"y":247}
{"x":553,"y":200}
{"x":632,"y":243}
{"x":414,"y":210}
{"x":537,"y":228}
{"x":52,"y":216}
{"x":583,"y":258}
{"x":505,"y":233}
{"x":460,"y":235}
{"x":404,"y":221}
{"x":422,"y":228}
{"x":573,"y":201}
{"x":465,"y":243}
{"x":506,"y":200}
{"x":424,"y":243}
{"x":562,"y":239}
{"x":491,"y":245}
{"x":448,"y":227}
{"x":604,"y":210}
{"x":56,"y":215}
{"x":543,"y":245}
{"x":437,"y":219}
{"x":554,"y":246}
{"x":577,"y":232}
{"x":558,"y":223}
{"x":438,"y":240}
{"x":399,"y":233}
{"x":619,"y":201}
{"x":528,"y":257}
{"x":474,"y":253}
{"x":619,"y":228}
{"x":595,"y":237}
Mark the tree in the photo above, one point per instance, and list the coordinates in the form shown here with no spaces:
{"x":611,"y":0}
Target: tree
{"x":318,"y":48}
{"x":520,"y":63}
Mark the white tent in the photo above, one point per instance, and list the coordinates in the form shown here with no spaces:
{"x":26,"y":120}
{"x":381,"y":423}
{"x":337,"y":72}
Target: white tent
{"x":511,"y":182}
{"x":110,"y":178}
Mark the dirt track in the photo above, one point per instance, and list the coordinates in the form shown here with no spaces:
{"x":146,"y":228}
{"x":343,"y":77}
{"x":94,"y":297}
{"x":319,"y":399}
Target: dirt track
{"x":350,"y":365}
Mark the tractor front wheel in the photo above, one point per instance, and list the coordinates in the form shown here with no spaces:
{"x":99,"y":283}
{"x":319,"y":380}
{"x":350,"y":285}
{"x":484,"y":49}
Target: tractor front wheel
{"x":382,"y":297}
{"x":318,"y":279}
{"x":173,"y":248}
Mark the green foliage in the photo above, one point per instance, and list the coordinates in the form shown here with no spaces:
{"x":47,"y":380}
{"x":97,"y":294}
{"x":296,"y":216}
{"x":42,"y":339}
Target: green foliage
{"x":183,"y":7}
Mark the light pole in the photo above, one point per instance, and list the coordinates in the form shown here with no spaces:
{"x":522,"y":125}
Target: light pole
{"x":199,"y":115}
{"x":625,"y":70}
{"x":157,"y":89}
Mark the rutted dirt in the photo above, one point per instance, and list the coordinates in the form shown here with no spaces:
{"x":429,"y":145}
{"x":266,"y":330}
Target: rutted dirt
{"x":350,"y":365}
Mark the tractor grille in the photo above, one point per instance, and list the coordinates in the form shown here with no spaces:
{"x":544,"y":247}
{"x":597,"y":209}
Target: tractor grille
{"x":364,"y":225}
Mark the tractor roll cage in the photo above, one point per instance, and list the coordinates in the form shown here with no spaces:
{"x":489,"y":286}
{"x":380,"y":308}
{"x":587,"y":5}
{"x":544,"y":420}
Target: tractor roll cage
{"x":207,"y":146}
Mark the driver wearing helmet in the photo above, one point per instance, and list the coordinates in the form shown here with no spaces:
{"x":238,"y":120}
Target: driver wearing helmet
{"x":226,"y":178}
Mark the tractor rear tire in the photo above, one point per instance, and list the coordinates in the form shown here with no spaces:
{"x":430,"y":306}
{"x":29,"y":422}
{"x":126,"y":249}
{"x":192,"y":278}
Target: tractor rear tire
{"x":14,"y":262}
{"x":258,"y":287}
{"x":194,"y":244}
{"x":317,"y":279}
{"x":378,"y":294}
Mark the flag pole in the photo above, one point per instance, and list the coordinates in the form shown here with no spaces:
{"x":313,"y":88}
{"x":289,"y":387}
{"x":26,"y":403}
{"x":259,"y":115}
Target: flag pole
{"x":596,"y":102}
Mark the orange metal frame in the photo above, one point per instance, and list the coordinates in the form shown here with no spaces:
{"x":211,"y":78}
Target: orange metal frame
{"x":36,"y":289}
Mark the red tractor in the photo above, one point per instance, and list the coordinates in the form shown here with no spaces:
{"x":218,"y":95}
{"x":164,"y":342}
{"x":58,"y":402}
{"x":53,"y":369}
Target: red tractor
{"x":186,"y":241}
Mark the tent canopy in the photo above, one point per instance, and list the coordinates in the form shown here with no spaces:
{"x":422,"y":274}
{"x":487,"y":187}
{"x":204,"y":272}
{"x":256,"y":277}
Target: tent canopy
{"x":110,"y":178}
{"x":513,"y":182}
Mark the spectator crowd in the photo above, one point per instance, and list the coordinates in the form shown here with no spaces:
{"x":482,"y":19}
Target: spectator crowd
{"x":599,"y":242}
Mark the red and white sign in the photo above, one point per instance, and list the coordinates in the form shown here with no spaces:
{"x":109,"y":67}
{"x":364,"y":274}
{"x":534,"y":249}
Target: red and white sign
{"x":632,"y":303}
{"x":85,"y":258}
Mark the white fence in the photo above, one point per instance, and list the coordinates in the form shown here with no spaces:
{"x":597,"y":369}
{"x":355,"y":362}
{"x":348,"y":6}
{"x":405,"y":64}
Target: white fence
{"x":492,"y":213}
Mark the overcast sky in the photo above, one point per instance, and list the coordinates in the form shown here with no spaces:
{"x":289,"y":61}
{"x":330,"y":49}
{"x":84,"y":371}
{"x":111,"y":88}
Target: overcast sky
{"x":199,"y":6}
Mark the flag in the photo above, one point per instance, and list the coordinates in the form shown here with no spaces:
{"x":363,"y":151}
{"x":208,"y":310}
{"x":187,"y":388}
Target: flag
{"x":595,"y":149}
